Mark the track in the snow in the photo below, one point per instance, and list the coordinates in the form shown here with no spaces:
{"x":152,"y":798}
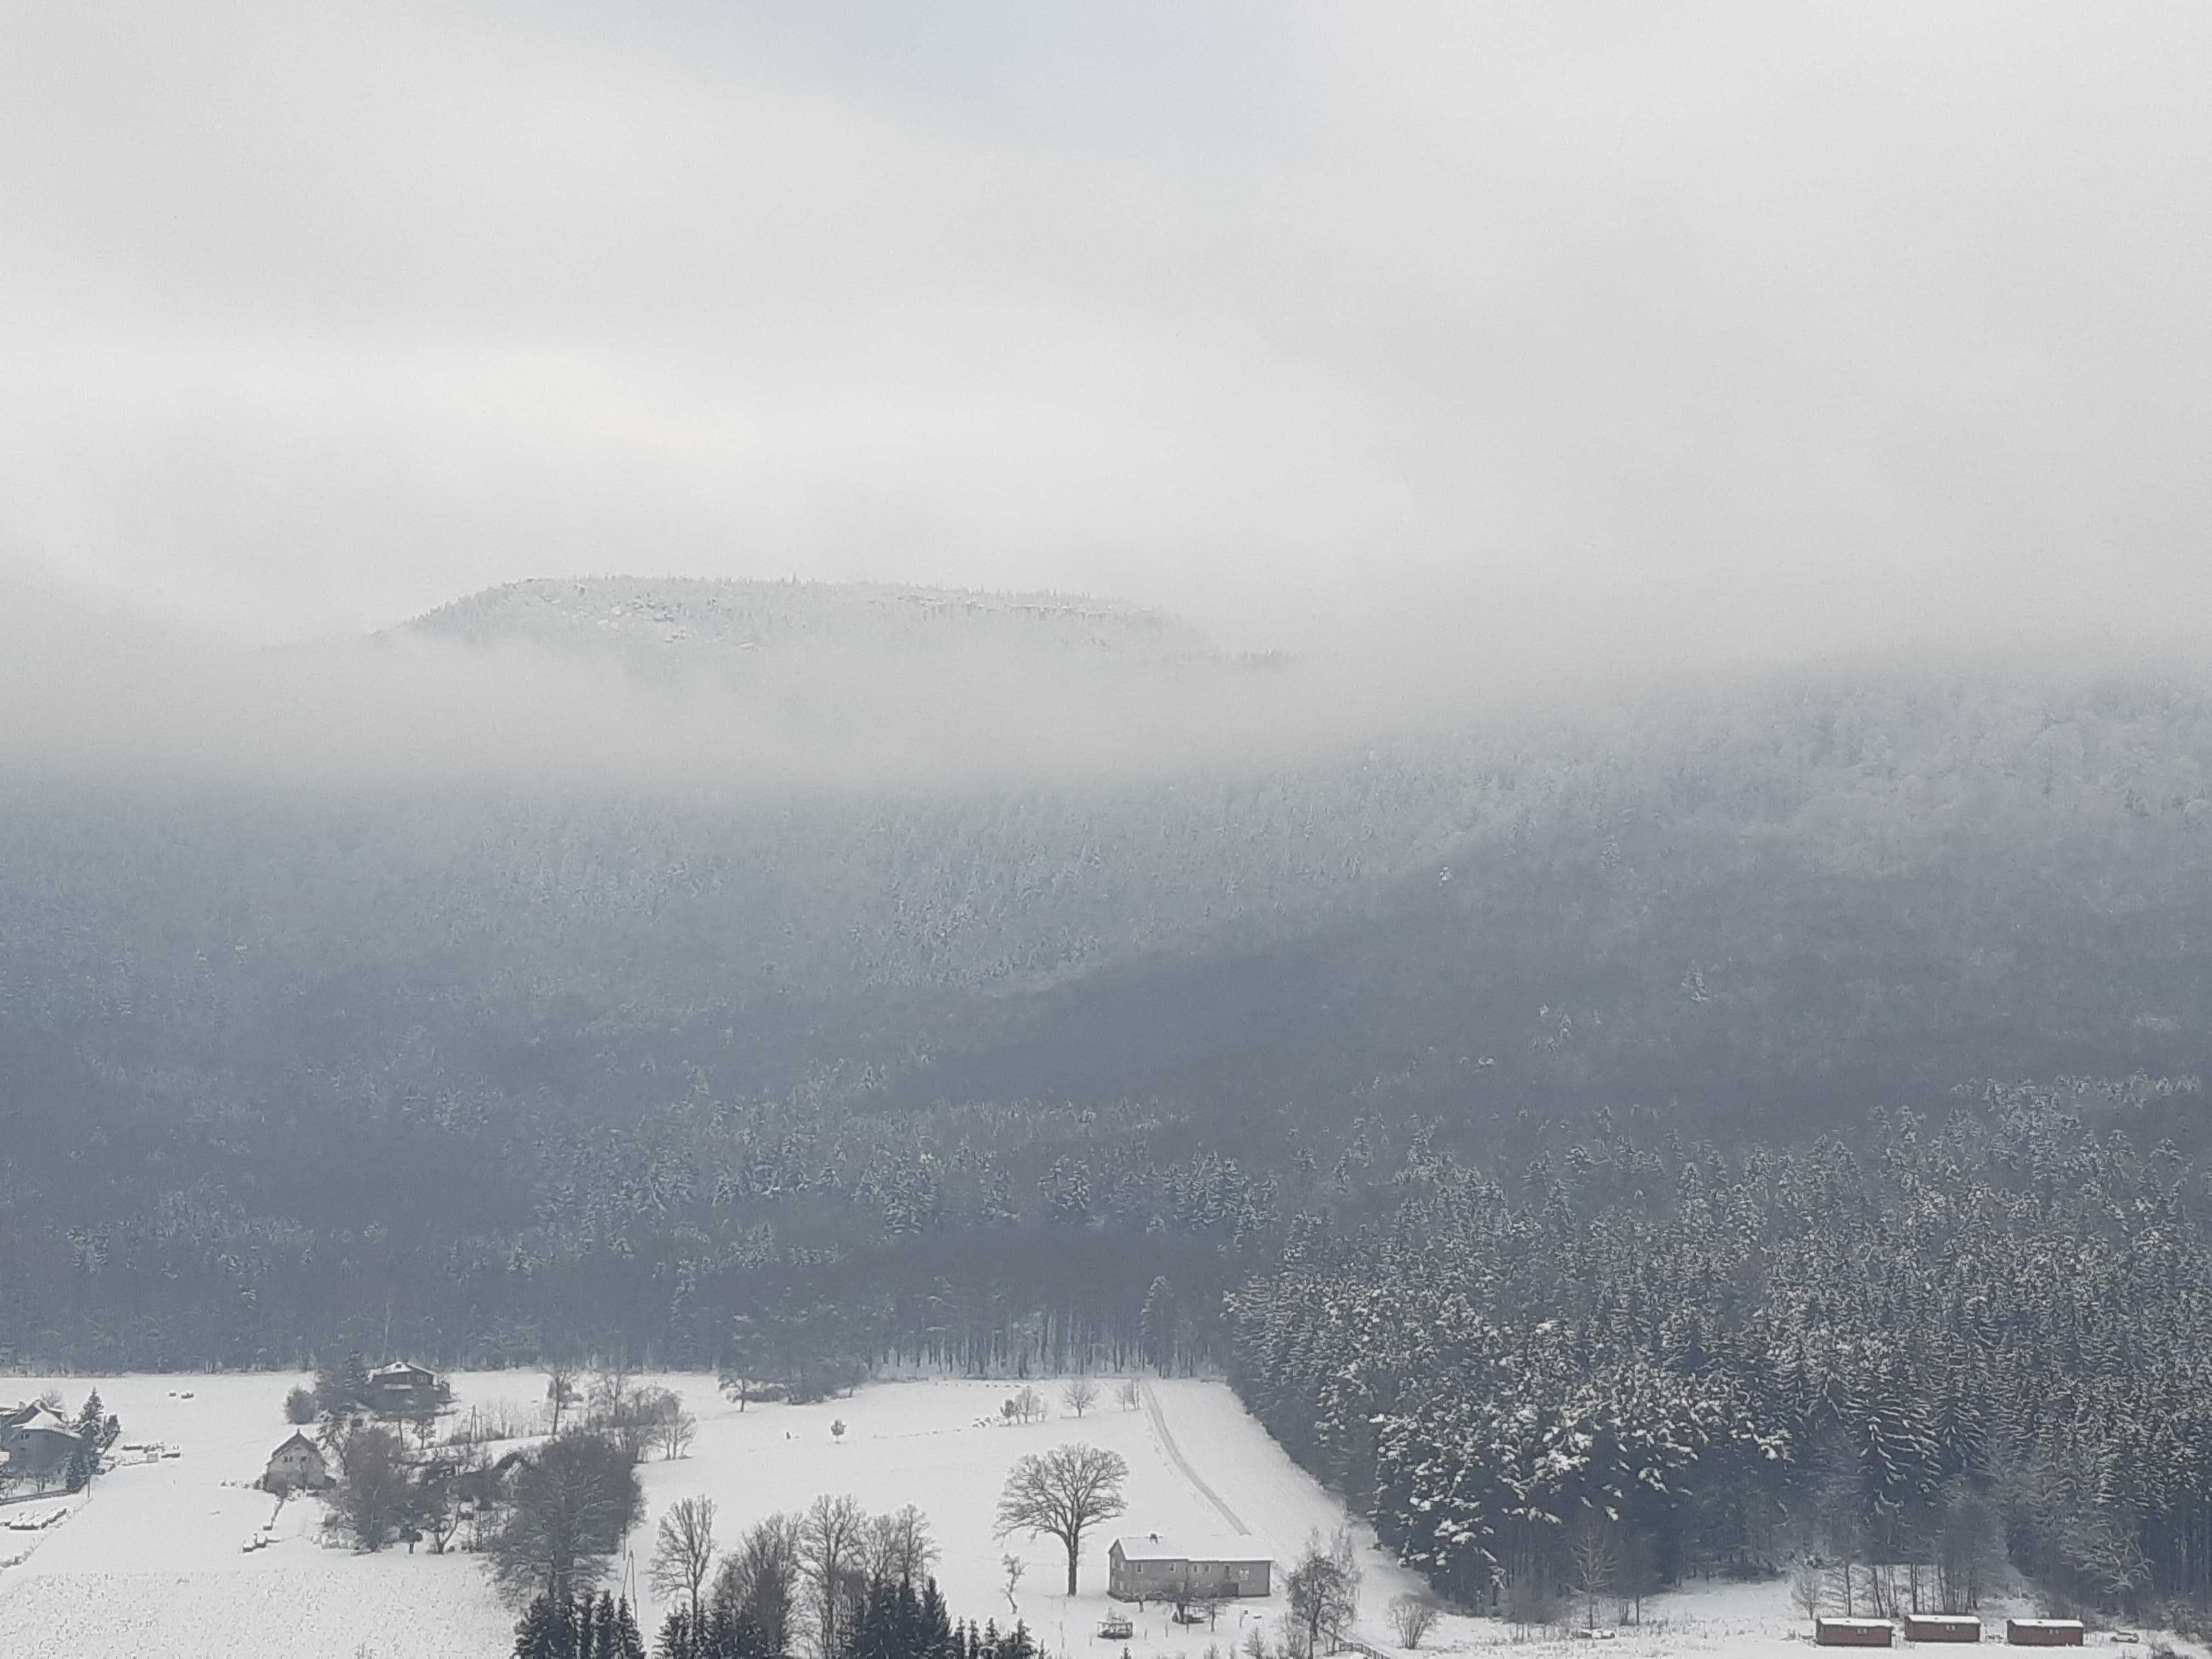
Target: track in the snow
{"x":1174,"y":1456}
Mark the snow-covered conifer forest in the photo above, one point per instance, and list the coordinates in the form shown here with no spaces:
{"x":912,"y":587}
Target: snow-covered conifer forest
{"x":1537,"y":1115}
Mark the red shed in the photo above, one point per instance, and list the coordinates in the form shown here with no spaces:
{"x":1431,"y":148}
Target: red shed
{"x":1942,"y":1627}
{"x":2043,"y":1632}
{"x":1853,"y":1632}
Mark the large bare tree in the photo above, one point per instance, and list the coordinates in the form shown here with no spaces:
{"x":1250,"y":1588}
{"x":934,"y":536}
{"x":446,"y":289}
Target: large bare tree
{"x":574,"y":1501}
{"x":684,"y":1551}
{"x":760,"y":1579}
{"x":1323,"y":1591}
{"x":833,"y":1562}
{"x":1063,"y":1493}
{"x":375,"y":1496}
{"x":900,"y":1547}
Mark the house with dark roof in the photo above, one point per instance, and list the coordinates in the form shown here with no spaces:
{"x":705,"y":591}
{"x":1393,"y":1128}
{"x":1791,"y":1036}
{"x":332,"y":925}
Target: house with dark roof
{"x":403,"y":1387}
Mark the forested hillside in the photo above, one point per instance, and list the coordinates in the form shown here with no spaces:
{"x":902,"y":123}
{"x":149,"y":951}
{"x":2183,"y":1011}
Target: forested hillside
{"x":1983,"y":1335}
{"x":500,"y":1066}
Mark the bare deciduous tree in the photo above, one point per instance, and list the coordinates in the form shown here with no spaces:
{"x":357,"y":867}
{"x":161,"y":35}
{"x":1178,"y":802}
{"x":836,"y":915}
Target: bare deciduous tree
{"x":1015,"y":1567}
{"x":1413,"y":1616}
{"x":1131,"y":1394}
{"x":560,"y":1390}
{"x":1061,"y":1494}
{"x":1323,"y":1590}
{"x":900,"y":1548}
{"x":684,"y":1551}
{"x":759,"y":1581}
{"x":1081,"y":1396}
{"x":374,"y":1495}
{"x":1809,"y":1589}
{"x":678,"y":1428}
{"x":574,"y":1501}
{"x":1591,"y":1555}
{"x":440,"y":1498}
{"x":832,"y":1554}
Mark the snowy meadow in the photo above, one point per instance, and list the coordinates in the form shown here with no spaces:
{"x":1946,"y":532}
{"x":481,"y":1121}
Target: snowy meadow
{"x":154,"y":1560}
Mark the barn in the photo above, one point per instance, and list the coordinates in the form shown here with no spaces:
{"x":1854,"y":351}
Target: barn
{"x":1853,"y":1632}
{"x":296,"y":1466}
{"x":402,"y":1387}
{"x":1942,"y":1627}
{"x":1149,"y":1568}
{"x":2044,"y":1632}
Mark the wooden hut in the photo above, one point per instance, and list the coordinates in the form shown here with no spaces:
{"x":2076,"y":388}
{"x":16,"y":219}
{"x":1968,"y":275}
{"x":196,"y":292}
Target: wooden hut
{"x":1853,"y":1632}
{"x":2043,"y":1632}
{"x":1942,"y":1627}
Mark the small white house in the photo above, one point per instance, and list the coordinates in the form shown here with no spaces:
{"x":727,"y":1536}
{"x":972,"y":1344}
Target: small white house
{"x":296,"y":1466}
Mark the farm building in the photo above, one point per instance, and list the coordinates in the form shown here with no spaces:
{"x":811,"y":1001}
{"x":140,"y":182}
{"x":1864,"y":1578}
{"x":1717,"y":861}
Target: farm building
{"x":403,"y":1387}
{"x":1853,"y":1632}
{"x":296,"y":1466}
{"x":1942,"y":1627}
{"x":36,"y":1443}
{"x":2043,"y":1632}
{"x":1148,"y":1568}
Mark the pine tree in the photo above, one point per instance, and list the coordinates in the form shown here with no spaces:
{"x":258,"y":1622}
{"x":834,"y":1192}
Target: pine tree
{"x":547,"y":1630}
{"x":629,"y":1642}
{"x":678,"y":1639}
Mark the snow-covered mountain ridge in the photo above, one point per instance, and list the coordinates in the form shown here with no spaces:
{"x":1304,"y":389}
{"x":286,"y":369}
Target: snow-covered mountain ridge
{"x":700,"y":619}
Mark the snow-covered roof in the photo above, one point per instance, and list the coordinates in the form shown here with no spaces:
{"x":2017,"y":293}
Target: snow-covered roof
{"x":300,"y":1440}
{"x":36,"y":1416}
{"x":1151,"y":1546}
{"x":400,"y":1368}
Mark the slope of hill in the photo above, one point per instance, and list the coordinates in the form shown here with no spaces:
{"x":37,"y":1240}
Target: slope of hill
{"x":327,"y":1045}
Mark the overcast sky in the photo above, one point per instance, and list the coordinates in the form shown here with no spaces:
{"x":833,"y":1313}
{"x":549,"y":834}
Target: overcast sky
{"x":1621,"y":328}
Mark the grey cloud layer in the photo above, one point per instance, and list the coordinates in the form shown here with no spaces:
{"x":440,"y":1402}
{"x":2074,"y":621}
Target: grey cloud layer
{"x":1735,"y":330}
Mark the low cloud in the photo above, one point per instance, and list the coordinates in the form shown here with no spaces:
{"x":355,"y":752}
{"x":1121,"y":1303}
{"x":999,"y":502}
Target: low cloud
{"x":1573,"y":332}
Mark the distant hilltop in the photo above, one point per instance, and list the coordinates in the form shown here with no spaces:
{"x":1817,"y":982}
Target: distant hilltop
{"x":704,"y":619}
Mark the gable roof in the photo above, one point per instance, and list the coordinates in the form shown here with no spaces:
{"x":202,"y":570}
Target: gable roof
{"x":398,"y":1369}
{"x":34,"y":1418}
{"x":1153,"y":1547}
{"x":298,"y":1439}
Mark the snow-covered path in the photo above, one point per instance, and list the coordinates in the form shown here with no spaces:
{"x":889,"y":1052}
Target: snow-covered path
{"x":1174,"y":1454}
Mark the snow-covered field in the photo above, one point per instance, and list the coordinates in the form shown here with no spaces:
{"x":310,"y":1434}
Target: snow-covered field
{"x":150,"y":1563}
{"x":150,"y":1566}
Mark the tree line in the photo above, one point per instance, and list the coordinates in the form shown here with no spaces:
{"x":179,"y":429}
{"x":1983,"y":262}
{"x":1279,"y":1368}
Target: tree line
{"x":1971,"y":1338}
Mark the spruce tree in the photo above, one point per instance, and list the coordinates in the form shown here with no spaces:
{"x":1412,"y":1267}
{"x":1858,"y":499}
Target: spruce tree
{"x":629,"y":1642}
{"x":547,"y":1629}
{"x":676,"y":1639}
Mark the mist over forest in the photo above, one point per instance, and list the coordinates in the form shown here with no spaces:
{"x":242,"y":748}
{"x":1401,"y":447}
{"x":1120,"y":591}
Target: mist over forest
{"x":359,"y":1017}
{"x":1485,"y":723}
